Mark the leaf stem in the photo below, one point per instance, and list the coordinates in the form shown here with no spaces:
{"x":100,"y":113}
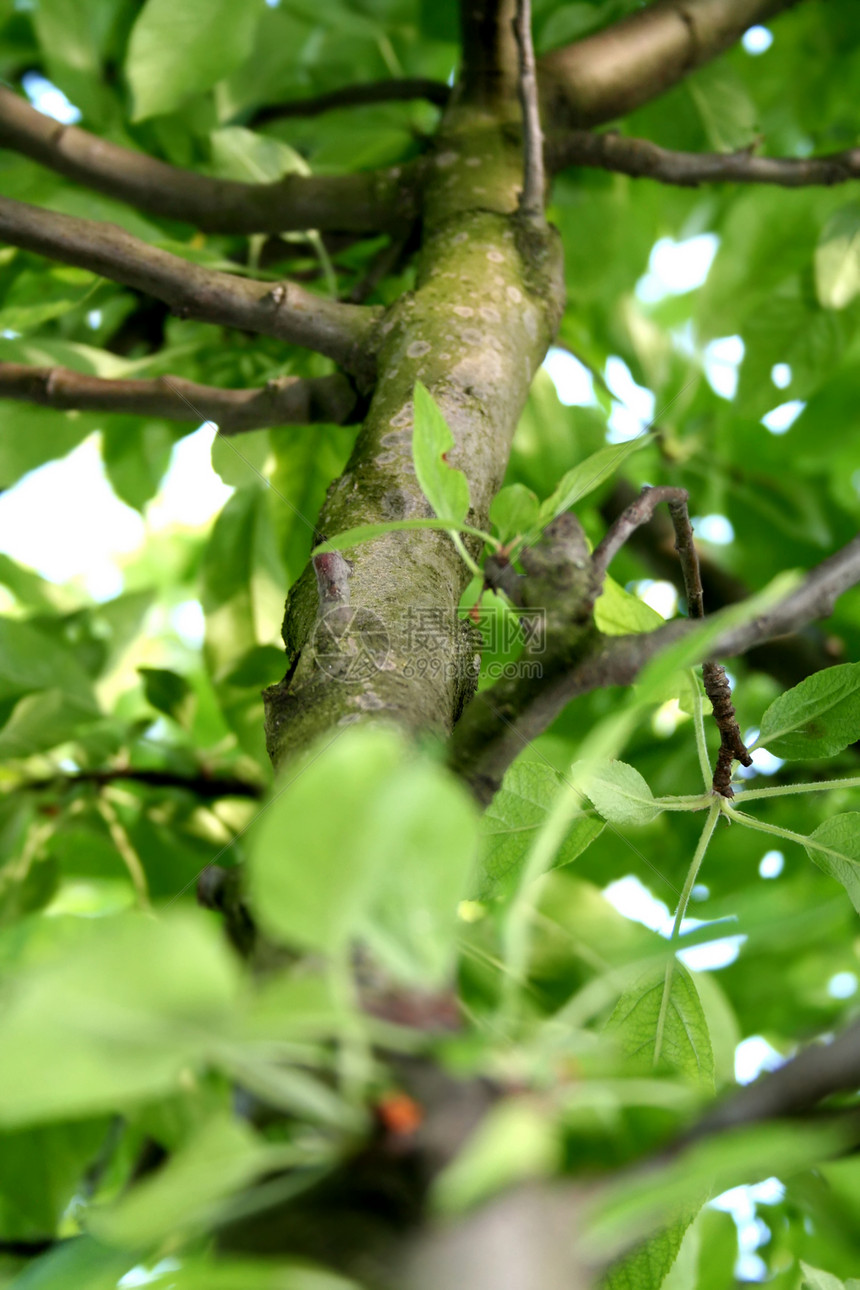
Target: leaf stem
{"x":784,"y":790}
{"x":683,"y":901}
{"x":699,"y":727}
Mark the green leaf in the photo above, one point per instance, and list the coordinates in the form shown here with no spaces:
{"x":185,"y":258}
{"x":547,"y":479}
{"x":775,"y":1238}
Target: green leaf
{"x":40,"y":1170}
{"x":429,"y":824}
{"x":818,"y":1279}
{"x":42,"y":721}
{"x":367,"y":532}
{"x":587,"y":476}
{"x":312,"y":869}
{"x":684,"y":1043}
{"x":835,"y":847}
{"x":241,"y":154}
{"x":244,"y":580}
{"x":183,"y":1196}
{"x":77,"y":1264}
{"x":34,"y":660}
{"x":618,"y":791}
{"x":514,"y":511}
{"x":167,"y":691}
{"x":511,"y":823}
{"x":837,"y":259}
{"x":817,"y":718}
{"x":35,"y":298}
{"x":648,"y":1266}
{"x":181,"y":47}
{"x":136,"y":454}
{"x":114,"y":1017}
{"x":362,"y":839}
{"x":617,"y":612}
{"x":446,"y":489}
{"x":727,"y":111}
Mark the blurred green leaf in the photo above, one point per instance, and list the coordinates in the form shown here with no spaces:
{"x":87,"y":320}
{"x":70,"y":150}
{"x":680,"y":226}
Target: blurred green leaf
{"x":180,"y":47}
{"x":837,"y":259}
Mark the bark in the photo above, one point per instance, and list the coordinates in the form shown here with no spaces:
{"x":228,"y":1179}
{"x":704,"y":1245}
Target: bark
{"x":487,"y":301}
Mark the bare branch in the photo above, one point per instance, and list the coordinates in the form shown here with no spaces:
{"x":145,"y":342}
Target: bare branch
{"x":618,"y":69}
{"x":532,"y":196}
{"x":363,"y":203}
{"x":503,"y":719}
{"x":340,"y":331}
{"x":202,"y":785}
{"x":789,"y":658}
{"x":645,"y":160}
{"x":815,"y":1073}
{"x":398,"y":90}
{"x":289,"y":400}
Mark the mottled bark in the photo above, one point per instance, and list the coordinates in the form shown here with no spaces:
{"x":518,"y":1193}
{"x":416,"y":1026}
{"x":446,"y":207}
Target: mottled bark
{"x":474,"y":331}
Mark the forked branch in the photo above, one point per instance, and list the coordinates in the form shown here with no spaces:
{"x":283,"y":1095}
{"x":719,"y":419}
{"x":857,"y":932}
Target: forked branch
{"x":289,"y":400}
{"x":340,"y":331}
{"x":522,"y":711}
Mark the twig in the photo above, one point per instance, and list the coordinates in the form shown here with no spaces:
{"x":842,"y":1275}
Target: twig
{"x":359,"y":203}
{"x":397,"y":90}
{"x":202,"y":785}
{"x":341,"y":332}
{"x":532,"y":196}
{"x":646,"y":160}
{"x":714,"y":676}
{"x":287,"y":400}
{"x":610,"y":73}
{"x":481,"y":755}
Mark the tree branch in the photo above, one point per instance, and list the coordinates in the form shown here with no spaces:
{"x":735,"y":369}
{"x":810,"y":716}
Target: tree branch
{"x":646,"y":160}
{"x":341,"y":332}
{"x":288,"y":400}
{"x":618,"y":69}
{"x":789,"y":658}
{"x":401,"y":89}
{"x":201,"y":785}
{"x":375,"y":202}
{"x":489,"y":65}
{"x":503,"y":719}
{"x":815,"y":1073}
{"x":534,"y":183}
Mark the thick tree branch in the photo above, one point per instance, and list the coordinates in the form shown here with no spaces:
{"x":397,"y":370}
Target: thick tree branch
{"x":289,"y":400}
{"x":646,"y":160}
{"x":502,"y":720}
{"x":362,"y":203}
{"x":341,"y":332}
{"x":618,"y":69}
{"x":401,"y":89}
